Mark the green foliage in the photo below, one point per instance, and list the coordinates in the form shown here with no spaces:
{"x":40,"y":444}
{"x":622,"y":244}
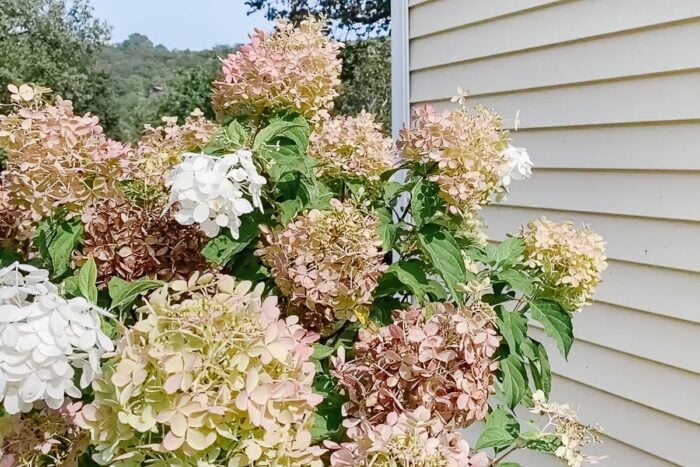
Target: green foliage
{"x":502,"y":429}
{"x":55,"y":44}
{"x":56,"y":238}
{"x":443,"y":252}
{"x":221,"y":249}
{"x":124,"y":294}
{"x":556,"y":321}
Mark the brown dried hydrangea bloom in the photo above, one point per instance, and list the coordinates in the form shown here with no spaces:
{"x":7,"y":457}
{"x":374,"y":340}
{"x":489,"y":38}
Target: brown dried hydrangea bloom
{"x":56,"y":158}
{"x":327,"y":263}
{"x":352,"y":146}
{"x":131,"y":242}
{"x":444,"y":363}
{"x":15,"y":223}
{"x":468,"y":150}
{"x":29,"y":439}
{"x":161,"y":147}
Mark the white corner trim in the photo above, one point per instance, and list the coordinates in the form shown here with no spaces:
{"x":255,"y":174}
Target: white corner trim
{"x":400,"y":113}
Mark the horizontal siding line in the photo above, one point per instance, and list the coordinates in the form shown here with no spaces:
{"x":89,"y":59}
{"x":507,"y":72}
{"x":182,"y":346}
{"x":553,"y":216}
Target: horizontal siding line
{"x":556,"y":44}
{"x":680,"y":121}
{"x":560,"y":211}
{"x":619,"y":396}
{"x":620,"y":170}
{"x":638,"y":310}
{"x":605,"y":435}
{"x":607,"y":213}
{"x":572,"y":84}
{"x":415,"y":3}
{"x":488,"y":19}
{"x":607,"y":347}
{"x":639,"y":448}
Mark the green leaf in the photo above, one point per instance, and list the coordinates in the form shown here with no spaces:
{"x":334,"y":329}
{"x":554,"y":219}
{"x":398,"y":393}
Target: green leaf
{"x":8,"y":257}
{"x":289,"y":210}
{"x":539,"y":365}
{"x":444,"y":253}
{"x":71,"y":287}
{"x":383,"y":308}
{"x":409,"y":273}
{"x":391,"y":191}
{"x":508,"y":251}
{"x":328,"y":416}
{"x":425,"y":202}
{"x":513,"y":328}
{"x":220,"y":249}
{"x":517,"y":280}
{"x":231,"y":138}
{"x":514,"y":380}
{"x":494,"y":437}
{"x":387,"y":229}
{"x":291,"y":128}
{"x":436,"y":291}
{"x":556,"y":321}
{"x":508,"y":464}
{"x":124,"y":294}
{"x":282,"y":160}
{"x":68,"y":235}
{"x":322,"y":351}
{"x":502,"y":419}
{"x":236,"y":134}
{"x":541,"y":442}
{"x":87,"y":279}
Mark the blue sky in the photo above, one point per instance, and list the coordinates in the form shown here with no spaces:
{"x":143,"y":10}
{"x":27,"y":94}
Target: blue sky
{"x":180,"y":24}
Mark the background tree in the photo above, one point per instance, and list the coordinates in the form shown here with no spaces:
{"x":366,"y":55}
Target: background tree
{"x":350,"y":17}
{"x":55,"y":44}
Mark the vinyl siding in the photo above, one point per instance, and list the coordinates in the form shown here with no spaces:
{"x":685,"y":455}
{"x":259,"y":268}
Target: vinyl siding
{"x":609,"y":98}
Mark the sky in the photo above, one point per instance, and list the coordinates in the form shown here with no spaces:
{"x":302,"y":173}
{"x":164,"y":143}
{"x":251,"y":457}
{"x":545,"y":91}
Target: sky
{"x":181,"y":24}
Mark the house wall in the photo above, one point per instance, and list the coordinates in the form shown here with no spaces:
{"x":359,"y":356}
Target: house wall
{"x":609,"y":99}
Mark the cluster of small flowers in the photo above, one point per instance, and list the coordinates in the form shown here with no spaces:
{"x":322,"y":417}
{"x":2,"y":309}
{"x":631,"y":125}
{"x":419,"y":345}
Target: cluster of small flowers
{"x":444,"y":364}
{"x":161,"y":148}
{"x":42,"y":437}
{"x":213,"y":370}
{"x":573,"y":434}
{"x":292,"y":68}
{"x":15,"y":223}
{"x":407,"y":439}
{"x":474,"y":159}
{"x":44,"y":339}
{"x":327,"y":263}
{"x":352,"y":146}
{"x":132,"y":242}
{"x":570,"y":261}
{"x":50,"y":153}
{"x":210,"y":191}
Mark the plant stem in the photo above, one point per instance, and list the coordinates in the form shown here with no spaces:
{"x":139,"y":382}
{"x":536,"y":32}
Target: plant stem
{"x":503,"y":455}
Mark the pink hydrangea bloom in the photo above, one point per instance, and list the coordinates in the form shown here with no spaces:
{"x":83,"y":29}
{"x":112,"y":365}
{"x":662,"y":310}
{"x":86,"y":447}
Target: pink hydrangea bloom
{"x":411,"y":438}
{"x":293,"y":67}
{"x":443,"y":363}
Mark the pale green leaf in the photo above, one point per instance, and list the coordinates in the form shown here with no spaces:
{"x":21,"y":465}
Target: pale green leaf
{"x":556,"y":321}
{"x":444,"y":253}
{"x":87,"y":279}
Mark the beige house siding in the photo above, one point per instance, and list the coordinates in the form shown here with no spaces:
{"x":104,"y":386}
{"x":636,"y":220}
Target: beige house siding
{"x":609,"y":98}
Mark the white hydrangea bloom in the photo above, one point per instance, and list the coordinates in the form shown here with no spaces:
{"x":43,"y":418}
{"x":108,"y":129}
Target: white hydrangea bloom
{"x":518,"y":165}
{"x":215,"y":191}
{"x":44,"y":338}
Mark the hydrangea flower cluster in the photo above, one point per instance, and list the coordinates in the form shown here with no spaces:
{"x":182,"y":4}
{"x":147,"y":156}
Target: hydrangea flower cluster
{"x":216,"y":374}
{"x":15,"y":223}
{"x":407,"y":439}
{"x":291,"y":68}
{"x":132,"y":242}
{"x":43,"y":437}
{"x":161,"y":147}
{"x":327,"y":263}
{"x":52,"y":153}
{"x":472,"y":154}
{"x":44,"y":338}
{"x":573,"y":434}
{"x":443,"y":363}
{"x":353,"y":146}
{"x":211,"y":191}
{"x":570,"y":261}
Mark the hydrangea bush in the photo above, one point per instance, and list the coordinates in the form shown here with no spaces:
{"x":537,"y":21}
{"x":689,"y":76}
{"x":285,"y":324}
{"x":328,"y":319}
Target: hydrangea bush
{"x":282,"y":287}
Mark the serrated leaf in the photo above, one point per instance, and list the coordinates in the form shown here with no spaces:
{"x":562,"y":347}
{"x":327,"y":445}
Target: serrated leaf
{"x":444,"y":253}
{"x":408,"y":273}
{"x":220,"y":249}
{"x":322,"y":351}
{"x":556,"y":321}
{"x":289,"y":210}
{"x":494,"y":437}
{"x":513,"y":328}
{"x":293,"y":128}
{"x":508,"y":251}
{"x":87,"y":279}
{"x":500,"y":418}
{"x":387,"y":229}
{"x":514,"y":380}
{"x":425,"y":202}
{"x":60,"y":247}
{"x":124,"y":294}
{"x":517,"y":280}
